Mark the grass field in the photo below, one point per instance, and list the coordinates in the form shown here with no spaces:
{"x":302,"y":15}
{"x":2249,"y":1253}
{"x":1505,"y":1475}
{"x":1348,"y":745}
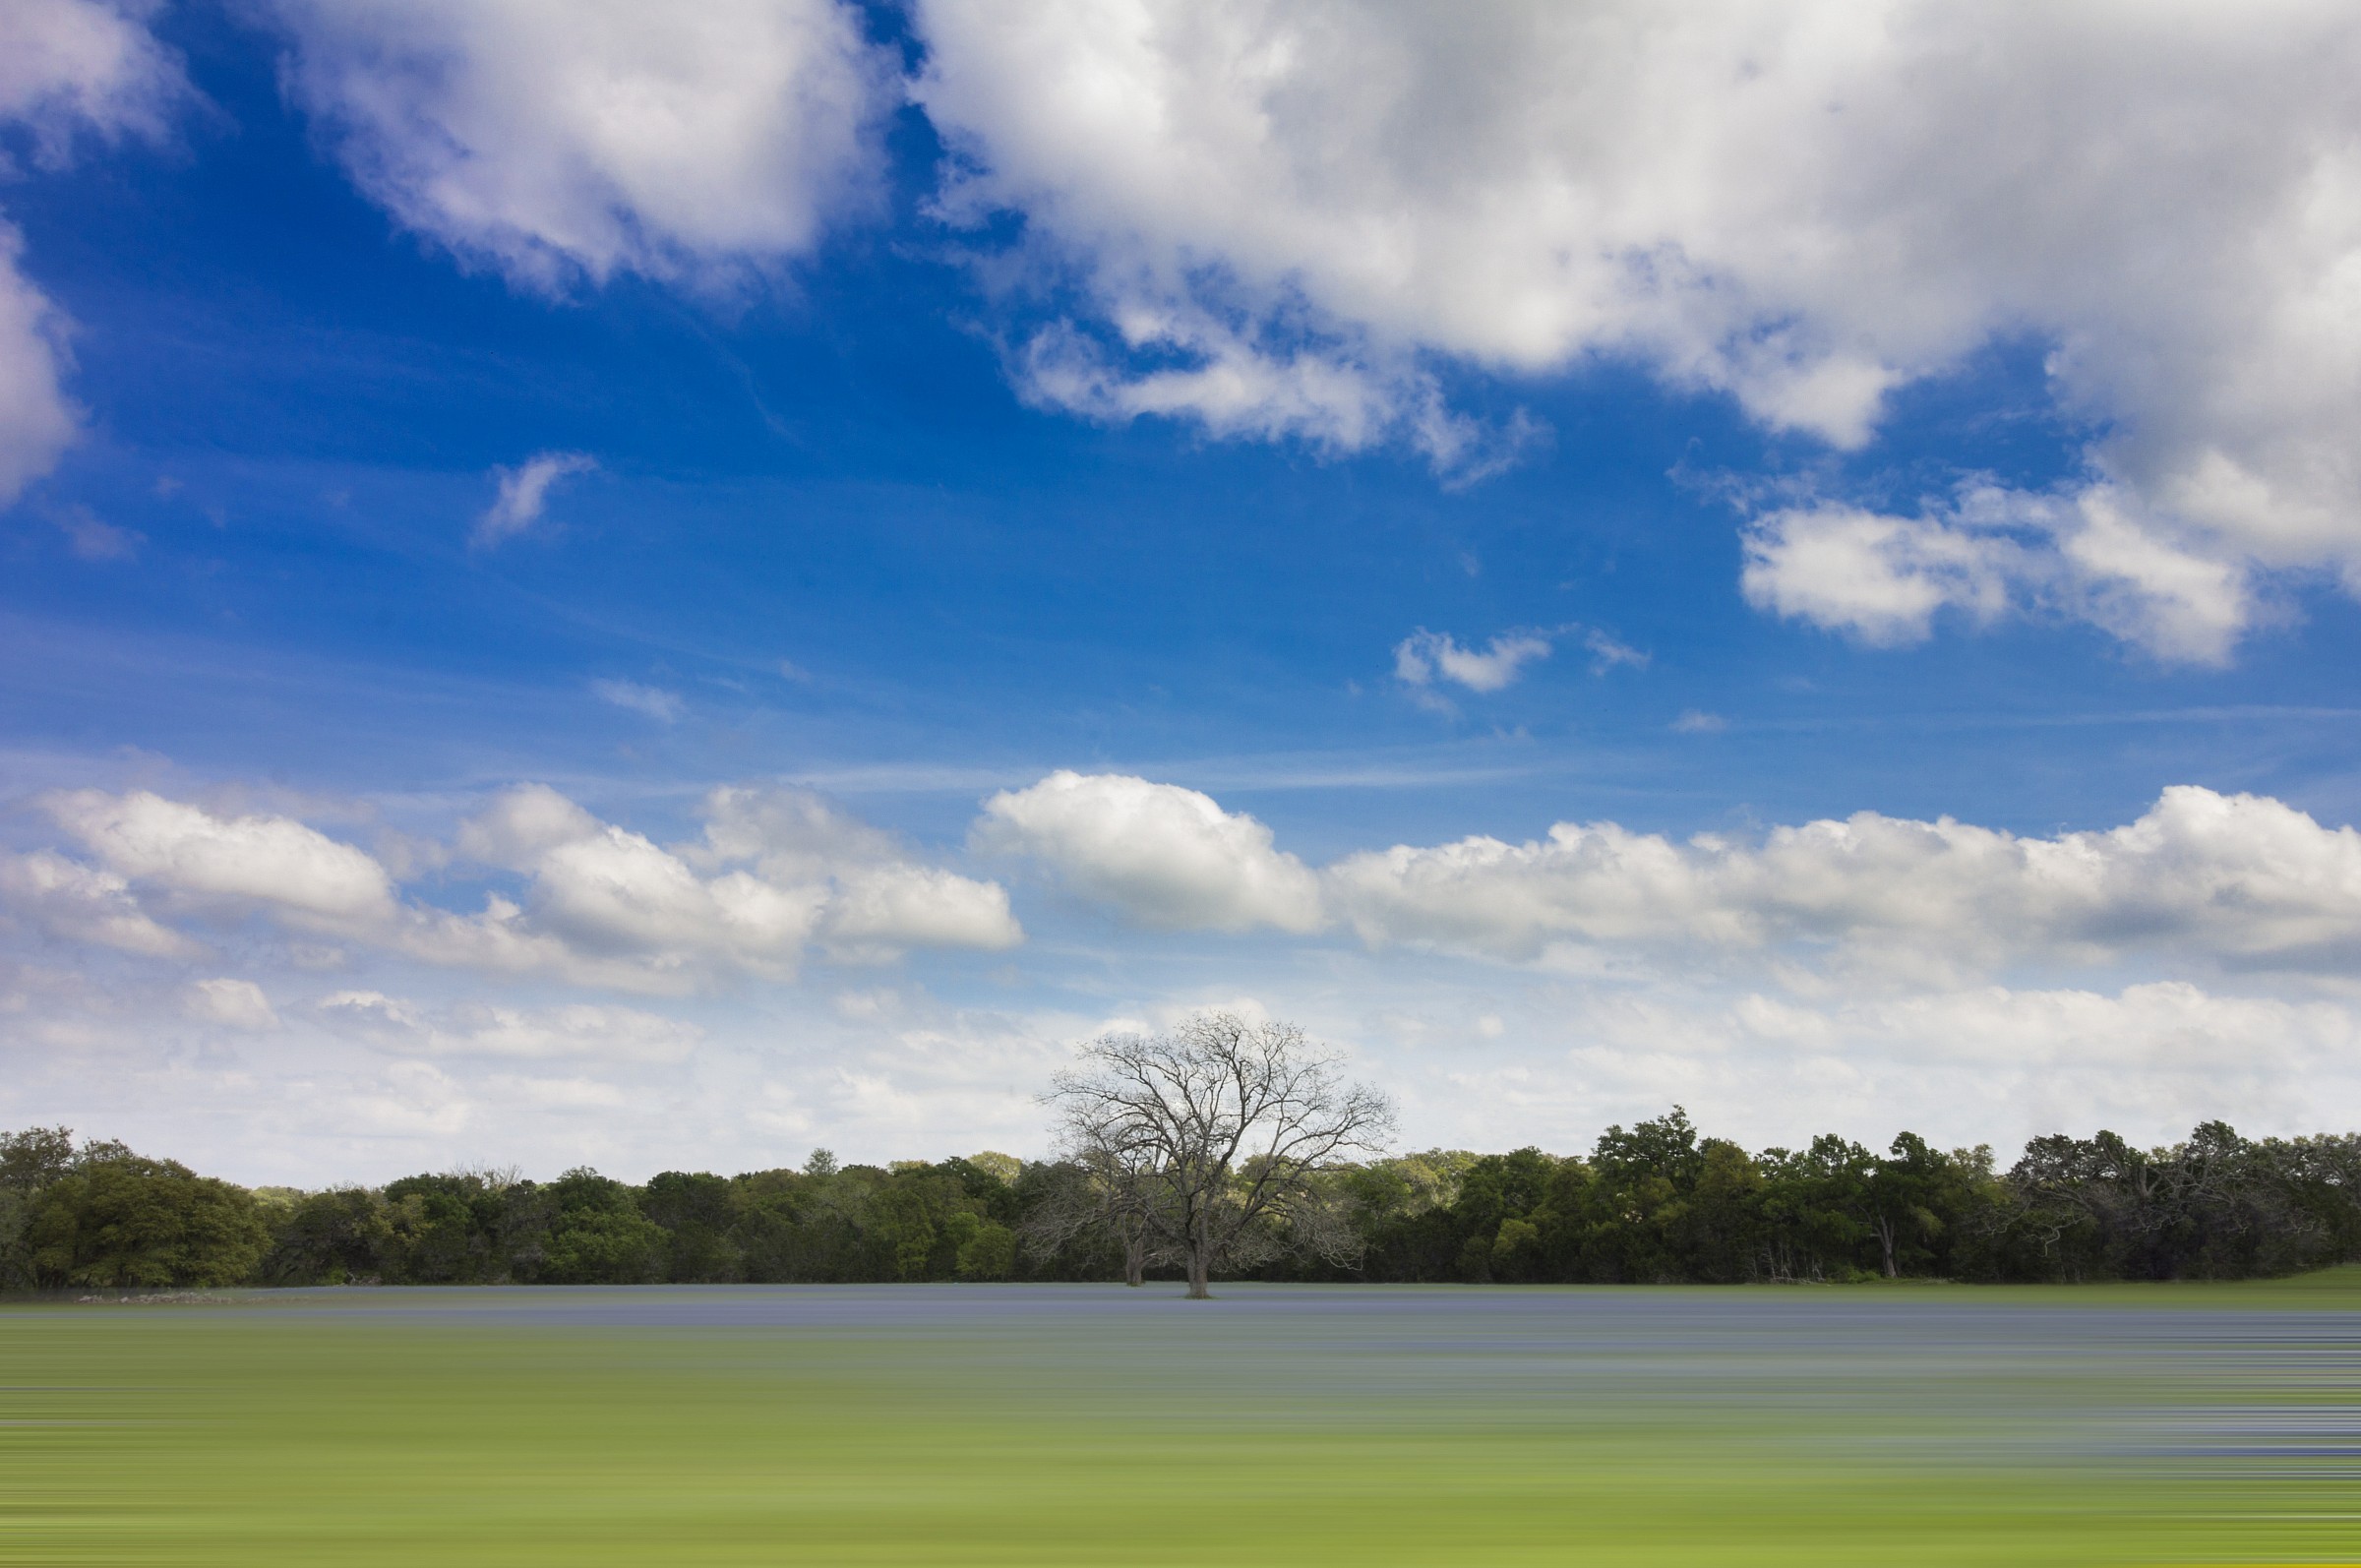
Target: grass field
{"x":1090,"y":1424}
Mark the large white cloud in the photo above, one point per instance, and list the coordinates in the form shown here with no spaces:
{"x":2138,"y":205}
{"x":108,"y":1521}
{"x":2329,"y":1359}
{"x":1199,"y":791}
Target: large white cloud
{"x":1279,"y":210}
{"x":187,"y":849}
{"x":1167,"y":857}
{"x":564,"y":138}
{"x":1288,"y":218}
{"x":67,"y":68}
{"x":2238,"y":880}
{"x":601,"y":905}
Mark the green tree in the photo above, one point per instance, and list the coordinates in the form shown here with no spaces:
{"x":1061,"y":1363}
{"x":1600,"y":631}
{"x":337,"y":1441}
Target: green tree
{"x":983,"y":1250}
{"x":1638,"y":1211}
{"x":340,"y":1236}
{"x":29,"y":1161}
{"x":697,"y":1214}
{"x":1816,"y":1207}
{"x":1909,"y":1192}
{"x":123,"y":1222}
{"x":598,"y":1235}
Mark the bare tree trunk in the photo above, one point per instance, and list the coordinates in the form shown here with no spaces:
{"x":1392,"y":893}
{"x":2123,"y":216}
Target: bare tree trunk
{"x":1197,"y":1276}
{"x":1135,"y":1259}
{"x":1884,"y":1239}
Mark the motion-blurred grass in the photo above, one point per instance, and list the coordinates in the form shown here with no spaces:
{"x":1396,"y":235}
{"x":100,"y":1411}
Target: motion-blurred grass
{"x":955,"y":1426}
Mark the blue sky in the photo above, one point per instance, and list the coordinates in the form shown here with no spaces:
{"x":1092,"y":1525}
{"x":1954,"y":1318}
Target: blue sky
{"x":1118,"y":562}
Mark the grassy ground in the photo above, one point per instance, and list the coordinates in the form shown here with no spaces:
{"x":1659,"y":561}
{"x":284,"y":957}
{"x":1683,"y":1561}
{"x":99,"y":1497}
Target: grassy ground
{"x":1023,"y":1425}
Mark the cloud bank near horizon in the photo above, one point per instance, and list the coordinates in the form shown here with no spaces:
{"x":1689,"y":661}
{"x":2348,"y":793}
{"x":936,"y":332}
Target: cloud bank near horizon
{"x":1810,"y":971}
{"x":2233,"y":883}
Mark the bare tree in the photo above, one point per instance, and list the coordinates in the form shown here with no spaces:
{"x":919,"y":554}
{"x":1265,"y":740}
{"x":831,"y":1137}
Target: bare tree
{"x":1096,"y":1193}
{"x":1207,"y":1139}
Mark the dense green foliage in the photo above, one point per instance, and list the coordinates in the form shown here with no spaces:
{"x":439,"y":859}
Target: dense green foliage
{"x":1650,"y":1204}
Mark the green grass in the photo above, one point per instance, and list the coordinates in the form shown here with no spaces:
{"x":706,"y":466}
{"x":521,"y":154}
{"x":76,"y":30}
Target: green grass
{"x":943,"y":1425}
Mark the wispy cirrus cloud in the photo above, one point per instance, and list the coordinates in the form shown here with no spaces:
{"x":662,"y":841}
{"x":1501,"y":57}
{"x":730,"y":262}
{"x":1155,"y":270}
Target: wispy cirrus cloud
{"x":665,"y":707}
{"x":524,"y":494}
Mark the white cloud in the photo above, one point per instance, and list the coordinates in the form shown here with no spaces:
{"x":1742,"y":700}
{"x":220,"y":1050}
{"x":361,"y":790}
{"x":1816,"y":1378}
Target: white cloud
{"x":557,"y":140}
{"x":579,"y":1030}
{"x":2236,"y":881}
{"x":65,"y":67}
{"x":186,"y":850}
{"x":1167,"y":857}
{"x":775,"y":870}
{"x":231,"y":1003}
{"x":559,"y":1093}
{"x":665,"y":707}
{"x":68,"y":66}
{"x":2083,"y":554}
{"x":1276,"y":211}
{"x":81,"y":903}
{"x":1236,"y":383}
{"x":1696,"y":721}
{"x":1957,"y":1064}
{"x":1424,"y":656}
{"x":1607,"y":651}
{"x":524,"y":491}
{"x":881,"y":909}
{"x":603,"y":906}
{"x":2240,"y":880}
{"x":36,"y":421}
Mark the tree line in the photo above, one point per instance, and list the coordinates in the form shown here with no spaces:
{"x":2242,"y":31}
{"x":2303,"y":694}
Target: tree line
{"x":1653,"y":1203}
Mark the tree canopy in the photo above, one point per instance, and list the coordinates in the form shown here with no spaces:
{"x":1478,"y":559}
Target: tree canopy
{"x":1656,"y":1202}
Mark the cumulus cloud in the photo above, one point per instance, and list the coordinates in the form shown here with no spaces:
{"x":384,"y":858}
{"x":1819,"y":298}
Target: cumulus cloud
{"x":83,"y":903}
{"x":1277,"y":212}
{"x":775,"y":870}
{"x":1165,"y":856}
{"x":184,"y":850}
{"x":1424,"y":656}
{"x":564,"y":140}
{"x":524,"y":491}
{"x":67,"y":67}
{"x":2084,"y":554}
{"x":231,"y":1003}
{"x":601,"y":905}
{"x":2239,"y":881}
